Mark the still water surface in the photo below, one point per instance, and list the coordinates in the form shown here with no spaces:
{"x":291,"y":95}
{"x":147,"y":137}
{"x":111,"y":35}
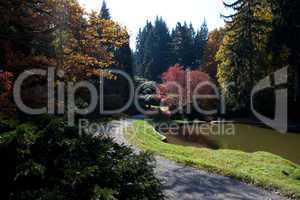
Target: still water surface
{"x":247,"y":138}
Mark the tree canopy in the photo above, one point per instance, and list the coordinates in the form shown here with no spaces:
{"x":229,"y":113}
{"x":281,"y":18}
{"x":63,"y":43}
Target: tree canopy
{"x":158,"y":48}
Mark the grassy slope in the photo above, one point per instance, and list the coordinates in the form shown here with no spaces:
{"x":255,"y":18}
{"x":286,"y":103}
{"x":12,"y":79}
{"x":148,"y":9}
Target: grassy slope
{"x":260,"y":168}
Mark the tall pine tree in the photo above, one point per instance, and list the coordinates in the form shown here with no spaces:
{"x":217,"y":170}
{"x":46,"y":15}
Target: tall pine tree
{"x":183,"y":45}
{"x":104,"y":12}
{"x":200,"y":42}
{"x":157,"y":49}
{"x":153,"y":52}
{"x":161,"y":48}
{"x":123,"y":61}
{"x":143,"y":50}
{"x":241,"y":54}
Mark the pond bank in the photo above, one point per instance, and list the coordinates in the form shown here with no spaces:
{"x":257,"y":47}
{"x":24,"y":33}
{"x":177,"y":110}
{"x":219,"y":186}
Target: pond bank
{"x":234,"y":136}
{"x":260,"y":168}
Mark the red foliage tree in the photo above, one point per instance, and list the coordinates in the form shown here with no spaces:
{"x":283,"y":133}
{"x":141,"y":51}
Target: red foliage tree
{"x":180,"y":85}
{"x":6,"y":90}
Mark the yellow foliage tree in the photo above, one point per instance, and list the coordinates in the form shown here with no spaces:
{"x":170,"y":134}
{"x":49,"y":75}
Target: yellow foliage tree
{"x":85,"y":42}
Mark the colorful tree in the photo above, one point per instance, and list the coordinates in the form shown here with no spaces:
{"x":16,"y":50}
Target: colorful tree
{"x":56,"y":33}
{"x":6,"y":90}
{"x":242,"y":57}
{"x":26,"y":34}
{"x":87,"y":50}
{"x":210,"y":63}
{"x":40,"y":34}
{"x":179,"y":87}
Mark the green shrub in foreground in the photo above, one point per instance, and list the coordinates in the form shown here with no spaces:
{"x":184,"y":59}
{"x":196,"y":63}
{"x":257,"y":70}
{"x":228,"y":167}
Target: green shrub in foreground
{"x":54,"y":162}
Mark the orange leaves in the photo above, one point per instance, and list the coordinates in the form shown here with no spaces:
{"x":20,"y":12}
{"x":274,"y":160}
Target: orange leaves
{"x":88,"y":50}
{"x":102,"y":73}
{"x":106,"y":32}
{"x":47,"y":33}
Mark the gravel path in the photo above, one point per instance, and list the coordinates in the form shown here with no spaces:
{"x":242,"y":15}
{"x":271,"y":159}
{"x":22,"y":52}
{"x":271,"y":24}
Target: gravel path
{"x":187,"y":183}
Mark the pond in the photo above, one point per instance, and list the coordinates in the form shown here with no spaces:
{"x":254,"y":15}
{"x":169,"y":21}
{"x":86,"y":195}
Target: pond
{"x":242,"y":137}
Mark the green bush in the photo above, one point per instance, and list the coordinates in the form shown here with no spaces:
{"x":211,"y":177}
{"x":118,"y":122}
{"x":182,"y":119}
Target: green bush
{"x":7,"y":123}
{"x":55,"y":162}
{"x":148,"y":88}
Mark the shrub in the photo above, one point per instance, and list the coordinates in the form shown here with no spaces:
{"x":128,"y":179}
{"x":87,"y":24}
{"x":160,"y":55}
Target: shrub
{"x":148,"y":88}
{"x":7,"y":123}
{"x":148,"y":95}
{"x":55,"y":162}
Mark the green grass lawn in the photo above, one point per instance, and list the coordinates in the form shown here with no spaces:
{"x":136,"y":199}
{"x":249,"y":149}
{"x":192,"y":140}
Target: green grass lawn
{"x":260,"y":168}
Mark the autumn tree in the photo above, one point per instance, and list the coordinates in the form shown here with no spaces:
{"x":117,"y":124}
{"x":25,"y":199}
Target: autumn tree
{"x":60,"y":34}
{"x":26,"y":40}
{"x":179,"y":88}
{"x":42,"y":157}
{"x":6,"y":90}
{"x":26,"y":34}
{"x":87,"y":50}
{"x":243,"y":55}
{"x":210,"y":50}
{"x":117,"y":90}
{"x":57,"y":33}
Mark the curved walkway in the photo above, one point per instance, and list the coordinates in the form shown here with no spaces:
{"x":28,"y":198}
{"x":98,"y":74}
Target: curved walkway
{"x":186,"y":183}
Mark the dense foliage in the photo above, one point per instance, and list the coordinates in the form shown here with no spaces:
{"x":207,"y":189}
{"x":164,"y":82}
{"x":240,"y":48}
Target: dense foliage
{"x":50,"y":160}
{"x":210,"y":64}
{"x":6,"y":89}
{"x":59,"y":34}
{"x":116,"y":91}
{"x":41,"y":157}
{"x":260,"y":37}
{"x":56,"y":33}
{"x":243,"y":57}
{"x":284,"y":46}
{"x":179,"y":88}
{"x":158,"y":48}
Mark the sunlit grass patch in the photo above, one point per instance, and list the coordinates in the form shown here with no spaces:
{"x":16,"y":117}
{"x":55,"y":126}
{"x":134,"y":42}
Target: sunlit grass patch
{"x":261,"y":168}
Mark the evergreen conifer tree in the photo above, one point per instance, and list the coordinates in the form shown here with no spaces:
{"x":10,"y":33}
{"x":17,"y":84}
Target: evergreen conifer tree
{"x":244,"y":29}
{"x":183,"y":45}
{"x":200,"y":42}
{"x":104,"y":12}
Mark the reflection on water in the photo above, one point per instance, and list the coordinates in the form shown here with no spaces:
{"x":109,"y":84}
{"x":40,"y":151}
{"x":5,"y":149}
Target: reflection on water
{"x":246,"y":138}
